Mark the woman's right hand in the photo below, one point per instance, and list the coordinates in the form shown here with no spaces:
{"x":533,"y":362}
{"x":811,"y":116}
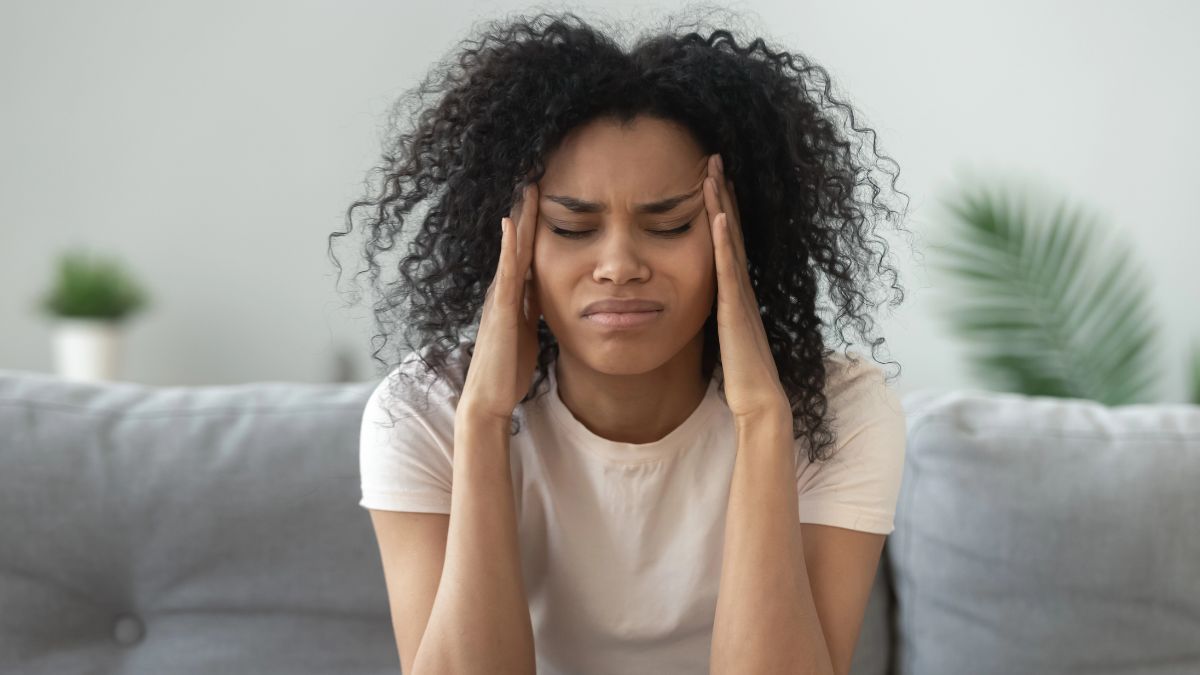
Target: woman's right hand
{"x":506,"y":347}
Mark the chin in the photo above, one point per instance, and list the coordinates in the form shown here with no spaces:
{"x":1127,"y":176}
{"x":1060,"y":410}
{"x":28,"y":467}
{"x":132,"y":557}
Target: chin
{"x":618,"y":362}
{"x":626,"y":355}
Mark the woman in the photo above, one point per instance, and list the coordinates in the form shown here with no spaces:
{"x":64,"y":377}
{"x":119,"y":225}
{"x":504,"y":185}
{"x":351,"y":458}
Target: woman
{"x":658,"y":465}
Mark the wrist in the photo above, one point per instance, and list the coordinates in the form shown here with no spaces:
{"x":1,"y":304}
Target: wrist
{"x":479,"y":442}
{"x":772,"y":421}
{"x":468,"y":415}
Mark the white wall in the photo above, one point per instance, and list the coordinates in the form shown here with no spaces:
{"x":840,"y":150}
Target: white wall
{"x":214,"y":146}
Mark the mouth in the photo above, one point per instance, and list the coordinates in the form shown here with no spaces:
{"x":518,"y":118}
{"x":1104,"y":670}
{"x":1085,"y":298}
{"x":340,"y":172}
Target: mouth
{"x":623,"y":320}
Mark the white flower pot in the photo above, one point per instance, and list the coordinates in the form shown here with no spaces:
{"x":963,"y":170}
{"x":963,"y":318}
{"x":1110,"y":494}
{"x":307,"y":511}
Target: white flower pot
{"x":87,"y":349}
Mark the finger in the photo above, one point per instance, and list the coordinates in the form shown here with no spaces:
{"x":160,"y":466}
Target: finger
{"x":712,"y":192}
{"x":735,"y":229}
{"x":510,"y":253}
{"x":712,"y":202}
{"x":529,"y":204}
{"x":514,"y":213}
{"x":507,"y":292}
{"x":534,"y":302}
{"x":737,"y":214}
{"x":732,"y":274}
{"x":729,"y":207}
{"x":726,"y":279}
{"x":499,"y":260}
{"x":712,"y":208}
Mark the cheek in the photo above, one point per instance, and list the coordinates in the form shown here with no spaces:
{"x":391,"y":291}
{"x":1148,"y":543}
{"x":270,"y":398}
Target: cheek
{"x":700,"y":252}
{"x":547,"y":276}
{"x":693,"y":270}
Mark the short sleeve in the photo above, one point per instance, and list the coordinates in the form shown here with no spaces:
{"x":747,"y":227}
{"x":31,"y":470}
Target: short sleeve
{"x":858,"y":486}
{"x":405,"y":457}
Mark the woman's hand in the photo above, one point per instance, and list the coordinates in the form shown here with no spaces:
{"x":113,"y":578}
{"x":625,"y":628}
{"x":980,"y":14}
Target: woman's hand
{"x":506,"y":346}
{"x":752,"y":386}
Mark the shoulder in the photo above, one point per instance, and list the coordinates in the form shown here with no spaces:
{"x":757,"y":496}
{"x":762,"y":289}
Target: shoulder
{"x":858,"y":395}
{"x":407,"y":438}
{"x":415,"y":387}
{"x":411,"y":410}
{"x":865,"y":416}
{"x":858,"y":485}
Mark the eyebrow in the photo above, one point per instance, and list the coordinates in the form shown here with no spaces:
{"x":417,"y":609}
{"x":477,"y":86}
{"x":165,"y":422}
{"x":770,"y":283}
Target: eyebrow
{"x":577,"y":205}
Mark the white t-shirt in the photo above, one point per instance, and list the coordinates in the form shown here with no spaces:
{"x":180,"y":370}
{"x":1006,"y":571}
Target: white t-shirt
{"x":621,"y":543}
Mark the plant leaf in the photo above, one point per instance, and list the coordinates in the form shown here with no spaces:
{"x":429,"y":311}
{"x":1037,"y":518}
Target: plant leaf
{"x":1050,"y":314}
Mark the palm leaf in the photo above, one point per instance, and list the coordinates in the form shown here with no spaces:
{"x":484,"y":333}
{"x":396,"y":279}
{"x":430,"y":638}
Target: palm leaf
{"x":1045,"y":312}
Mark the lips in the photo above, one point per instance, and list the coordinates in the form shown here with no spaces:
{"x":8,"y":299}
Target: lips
{"x":622,"y":320}
{"x":621,"y":305}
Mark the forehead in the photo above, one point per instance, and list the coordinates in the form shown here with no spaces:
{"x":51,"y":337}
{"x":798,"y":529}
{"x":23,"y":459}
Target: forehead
{"x":645,"y":160}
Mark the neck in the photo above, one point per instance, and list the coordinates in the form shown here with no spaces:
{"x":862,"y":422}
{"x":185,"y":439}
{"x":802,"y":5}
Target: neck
{"x":635,"y":407}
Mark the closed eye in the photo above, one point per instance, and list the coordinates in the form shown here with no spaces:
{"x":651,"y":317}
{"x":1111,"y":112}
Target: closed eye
{"x":573,"y":234}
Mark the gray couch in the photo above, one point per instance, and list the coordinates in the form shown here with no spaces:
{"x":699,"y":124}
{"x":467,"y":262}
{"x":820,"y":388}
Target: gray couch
{"x":216,"y":530}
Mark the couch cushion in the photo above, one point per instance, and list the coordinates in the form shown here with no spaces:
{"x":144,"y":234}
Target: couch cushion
{"x":186,"y":530}
{"x":1043,"y":535}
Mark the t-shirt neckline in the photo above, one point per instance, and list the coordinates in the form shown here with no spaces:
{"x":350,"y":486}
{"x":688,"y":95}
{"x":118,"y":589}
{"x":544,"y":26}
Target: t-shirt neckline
{"x":681,"y":436}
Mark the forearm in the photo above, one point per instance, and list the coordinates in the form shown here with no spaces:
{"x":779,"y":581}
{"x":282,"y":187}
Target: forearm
{"x":766,"y":620}
{"x":480,"y":620}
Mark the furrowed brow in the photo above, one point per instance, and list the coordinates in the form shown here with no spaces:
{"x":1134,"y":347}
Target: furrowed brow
{"x":577,"y":205}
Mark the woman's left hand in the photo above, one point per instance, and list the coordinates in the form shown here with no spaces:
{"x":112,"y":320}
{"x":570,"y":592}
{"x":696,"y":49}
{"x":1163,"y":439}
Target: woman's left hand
{"x":752,"y":387}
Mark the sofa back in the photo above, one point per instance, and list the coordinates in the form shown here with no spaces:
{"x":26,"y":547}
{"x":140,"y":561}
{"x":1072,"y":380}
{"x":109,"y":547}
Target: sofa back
{"x":186,"y":530}
{"x":202,"y":530}
{"x":1046,"y":535}
{"x":216,"y":529}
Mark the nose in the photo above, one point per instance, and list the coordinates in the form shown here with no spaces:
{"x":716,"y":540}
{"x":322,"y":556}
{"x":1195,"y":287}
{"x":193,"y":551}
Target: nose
{"x":618,"y":259}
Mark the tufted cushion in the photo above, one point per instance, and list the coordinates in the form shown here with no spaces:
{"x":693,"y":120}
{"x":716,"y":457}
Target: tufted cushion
{"x":186,"y":530}
{"x":1043,"y":535}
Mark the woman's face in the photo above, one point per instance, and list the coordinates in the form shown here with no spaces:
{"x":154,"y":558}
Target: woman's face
{"x":597,"y":184}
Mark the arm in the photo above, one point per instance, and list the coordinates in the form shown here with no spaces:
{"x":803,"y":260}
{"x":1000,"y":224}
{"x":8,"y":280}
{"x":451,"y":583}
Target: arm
{"x":480,"y":619}
{"x":766,"y":620}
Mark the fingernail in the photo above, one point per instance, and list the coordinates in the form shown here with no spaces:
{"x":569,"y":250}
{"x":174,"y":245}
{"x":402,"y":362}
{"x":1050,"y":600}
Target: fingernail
{"x":720,"y":164}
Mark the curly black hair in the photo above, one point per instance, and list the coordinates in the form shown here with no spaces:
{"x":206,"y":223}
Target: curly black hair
{"x":524,"y":84}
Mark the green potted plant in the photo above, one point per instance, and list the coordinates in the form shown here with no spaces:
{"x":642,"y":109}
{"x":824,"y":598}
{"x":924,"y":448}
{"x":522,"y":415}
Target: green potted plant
{"x":1046,"y":309}
{"x":90,"y":300}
